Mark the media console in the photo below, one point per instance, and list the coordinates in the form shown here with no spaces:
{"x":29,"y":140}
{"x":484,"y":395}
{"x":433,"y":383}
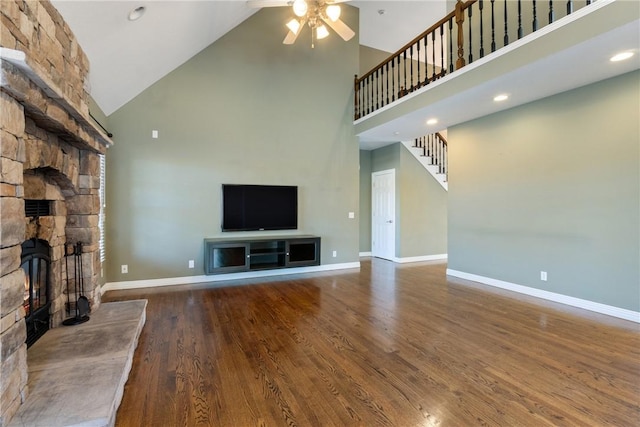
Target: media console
{"x":231,"y":255}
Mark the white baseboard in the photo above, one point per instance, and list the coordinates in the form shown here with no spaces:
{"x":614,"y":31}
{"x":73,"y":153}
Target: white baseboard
{"x":188,"y":280}
{"x":609,"y":310}
{"x":436,"y":257}
{"x":365,"y":254}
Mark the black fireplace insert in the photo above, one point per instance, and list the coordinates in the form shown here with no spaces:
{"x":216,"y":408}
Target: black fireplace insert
{"x":36,"y":262}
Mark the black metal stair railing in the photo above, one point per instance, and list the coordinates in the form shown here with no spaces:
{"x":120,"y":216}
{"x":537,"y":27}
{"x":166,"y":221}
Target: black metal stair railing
{"x":435,"y":147}
{"x":471,"y":31}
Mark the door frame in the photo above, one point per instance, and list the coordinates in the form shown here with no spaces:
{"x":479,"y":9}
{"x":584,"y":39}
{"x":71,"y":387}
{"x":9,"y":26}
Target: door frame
{"x":391,"y":245}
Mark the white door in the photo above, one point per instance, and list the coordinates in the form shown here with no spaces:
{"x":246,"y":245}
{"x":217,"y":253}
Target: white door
{"x":383,"y":214}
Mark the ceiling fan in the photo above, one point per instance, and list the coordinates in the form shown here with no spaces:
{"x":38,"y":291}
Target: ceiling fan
{"x":315,"y":14}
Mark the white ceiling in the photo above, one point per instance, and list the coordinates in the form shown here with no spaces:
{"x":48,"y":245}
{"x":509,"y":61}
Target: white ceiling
{"x":127,"y":57}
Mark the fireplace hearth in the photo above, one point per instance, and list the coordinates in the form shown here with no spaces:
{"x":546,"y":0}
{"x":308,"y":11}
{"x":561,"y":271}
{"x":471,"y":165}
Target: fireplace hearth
{"x":35,"y":262}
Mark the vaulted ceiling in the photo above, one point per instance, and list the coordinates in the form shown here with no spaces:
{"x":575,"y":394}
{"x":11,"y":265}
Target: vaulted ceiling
{"x":128,"y":56}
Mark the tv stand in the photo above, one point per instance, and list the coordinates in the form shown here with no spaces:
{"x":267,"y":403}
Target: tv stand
{"x":231,"y":255}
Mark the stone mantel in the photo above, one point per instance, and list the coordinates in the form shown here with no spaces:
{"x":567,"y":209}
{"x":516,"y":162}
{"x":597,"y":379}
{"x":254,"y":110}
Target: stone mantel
{"x":43,"y":101}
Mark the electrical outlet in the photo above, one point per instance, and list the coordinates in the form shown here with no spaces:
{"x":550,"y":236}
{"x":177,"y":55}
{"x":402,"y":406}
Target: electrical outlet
{"x":154,"y":134}
{"x":192,"y":263}
{"x":543,"y":276}
{"x":352,"y":215}
{"x":335,"y":254}
{"x":124,"y":268}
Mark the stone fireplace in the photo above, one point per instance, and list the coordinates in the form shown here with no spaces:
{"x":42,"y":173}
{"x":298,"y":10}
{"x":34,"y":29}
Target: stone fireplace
{"x":49,"y":160}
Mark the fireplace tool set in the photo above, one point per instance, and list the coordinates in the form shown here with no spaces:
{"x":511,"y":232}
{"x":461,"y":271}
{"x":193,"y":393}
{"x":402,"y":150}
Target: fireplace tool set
{"x":81,"y":302}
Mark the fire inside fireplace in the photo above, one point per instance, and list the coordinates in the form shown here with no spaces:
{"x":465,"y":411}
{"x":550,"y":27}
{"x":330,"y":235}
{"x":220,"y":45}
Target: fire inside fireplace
{"x":36,"y":263}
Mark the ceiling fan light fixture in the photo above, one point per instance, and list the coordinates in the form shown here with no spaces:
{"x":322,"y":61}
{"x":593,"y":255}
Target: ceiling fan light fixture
{"x":333,"y":12}
{"x":300,"y":8}
{"x":321,"y":32}
{"x":294,"y":26}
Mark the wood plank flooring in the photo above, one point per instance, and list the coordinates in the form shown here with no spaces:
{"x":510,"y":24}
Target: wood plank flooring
{"x":388,"y":345}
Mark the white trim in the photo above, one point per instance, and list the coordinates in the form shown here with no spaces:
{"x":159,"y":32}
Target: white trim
{"x":189,"y":280}
{"x":597,"y":307}
{"x":420,"y":258}
{"x":364,"y":254}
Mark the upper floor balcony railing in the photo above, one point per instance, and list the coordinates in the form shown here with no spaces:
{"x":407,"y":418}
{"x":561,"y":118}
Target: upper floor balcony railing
{"x":474,"y":29}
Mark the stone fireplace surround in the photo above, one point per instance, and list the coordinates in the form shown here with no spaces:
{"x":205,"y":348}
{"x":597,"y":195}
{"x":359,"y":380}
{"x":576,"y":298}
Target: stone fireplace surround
{"x":49,"y":150}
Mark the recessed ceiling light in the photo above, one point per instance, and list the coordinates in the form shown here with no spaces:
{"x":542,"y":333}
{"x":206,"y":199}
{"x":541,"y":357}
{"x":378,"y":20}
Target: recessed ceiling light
{"x":396,"y":133}
{"x":432,"y":121}
{"x":621,"y":56}
{"x":501,"y":97}
{"x":137,"y":13}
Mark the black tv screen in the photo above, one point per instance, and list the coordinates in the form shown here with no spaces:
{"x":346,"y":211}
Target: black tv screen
{"x":259,"y":207}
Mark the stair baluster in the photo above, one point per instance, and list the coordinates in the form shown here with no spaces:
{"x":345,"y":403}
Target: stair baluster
{"x":470,"y":36}
{"x":481,"y":5}
{"x":506,"y":25}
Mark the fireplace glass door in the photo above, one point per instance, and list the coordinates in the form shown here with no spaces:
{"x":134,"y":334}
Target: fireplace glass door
{"x":35,"y":263}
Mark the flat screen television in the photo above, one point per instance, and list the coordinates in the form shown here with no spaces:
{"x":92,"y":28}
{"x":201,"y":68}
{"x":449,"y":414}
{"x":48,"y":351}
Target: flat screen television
{"x":259,"y":207}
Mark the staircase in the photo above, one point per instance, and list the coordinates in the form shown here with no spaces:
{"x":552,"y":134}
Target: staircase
{"x":431,"y":152}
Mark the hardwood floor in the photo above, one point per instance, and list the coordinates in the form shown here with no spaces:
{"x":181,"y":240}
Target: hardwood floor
{"x":391,"y":345}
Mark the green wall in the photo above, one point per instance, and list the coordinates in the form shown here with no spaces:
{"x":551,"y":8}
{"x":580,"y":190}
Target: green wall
{"x":365,"y":201}
{"x":247,"y":109}
{"x":370,"y":57}
{"x":423,"y":208}
{"x":421,"y":203}
{"x":552,"y":186}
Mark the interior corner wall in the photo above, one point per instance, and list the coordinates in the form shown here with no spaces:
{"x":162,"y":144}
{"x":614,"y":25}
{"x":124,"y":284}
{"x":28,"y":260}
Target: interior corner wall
{"x":97,"y":113}
{"x":371,"y":57}
{"x":245,"y":110}
{"x":365,"y":201}
{"x":421,"y":203}
{"x":552,"y":186}
{"x":385,"y":158}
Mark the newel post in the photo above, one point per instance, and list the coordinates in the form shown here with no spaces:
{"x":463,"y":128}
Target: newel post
{"x":460,"y":21}
{"x":356,"y":88}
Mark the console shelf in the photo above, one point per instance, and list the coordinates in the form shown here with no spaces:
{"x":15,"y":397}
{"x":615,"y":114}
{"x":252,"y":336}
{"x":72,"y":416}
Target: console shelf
{"x":230,"y":255}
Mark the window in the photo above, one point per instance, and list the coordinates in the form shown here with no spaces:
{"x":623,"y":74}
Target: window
{"x":103,"y":205}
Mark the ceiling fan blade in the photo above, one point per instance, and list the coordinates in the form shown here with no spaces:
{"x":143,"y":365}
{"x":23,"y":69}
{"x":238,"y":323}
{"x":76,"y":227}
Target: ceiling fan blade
{"x":341,"y":28}
{"x":291,"y":36}
{"x":256,"y":4}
